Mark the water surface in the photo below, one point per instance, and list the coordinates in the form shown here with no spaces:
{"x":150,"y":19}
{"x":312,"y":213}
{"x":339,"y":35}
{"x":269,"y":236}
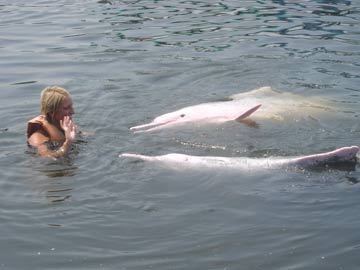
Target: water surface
{"x":126,"y":62}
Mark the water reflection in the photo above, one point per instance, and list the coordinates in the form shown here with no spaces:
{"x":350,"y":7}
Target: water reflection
{"x":58,"y":171}
{"x":353,"y":179}
{"x":212,"y":27}
{"x":55,"y":185}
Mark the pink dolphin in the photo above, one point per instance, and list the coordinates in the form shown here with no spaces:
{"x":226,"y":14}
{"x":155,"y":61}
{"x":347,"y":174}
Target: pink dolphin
{"x":216,"y":112}
{"x":179,"y":161}
{"x":273,"y":105}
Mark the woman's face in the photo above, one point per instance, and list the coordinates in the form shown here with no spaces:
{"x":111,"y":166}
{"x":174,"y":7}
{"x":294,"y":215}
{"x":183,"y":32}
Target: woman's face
{"x":65,"y":109}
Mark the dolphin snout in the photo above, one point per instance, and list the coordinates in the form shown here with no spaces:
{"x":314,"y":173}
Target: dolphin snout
{"x":148,"y":127}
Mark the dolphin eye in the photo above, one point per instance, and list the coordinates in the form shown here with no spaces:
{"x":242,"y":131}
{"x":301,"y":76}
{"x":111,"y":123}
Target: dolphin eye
{"x":183,"y":115}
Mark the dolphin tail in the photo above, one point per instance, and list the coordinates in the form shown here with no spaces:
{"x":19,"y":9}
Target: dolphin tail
{"x":248,"y":113}
{"x":344,"y":154}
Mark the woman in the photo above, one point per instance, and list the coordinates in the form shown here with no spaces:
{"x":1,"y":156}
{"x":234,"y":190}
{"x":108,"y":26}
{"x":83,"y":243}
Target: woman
{"x":53,"y":132}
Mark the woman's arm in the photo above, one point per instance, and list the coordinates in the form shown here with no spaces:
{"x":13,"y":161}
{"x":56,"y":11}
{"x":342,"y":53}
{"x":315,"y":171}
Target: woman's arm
{"x":39,"y":140}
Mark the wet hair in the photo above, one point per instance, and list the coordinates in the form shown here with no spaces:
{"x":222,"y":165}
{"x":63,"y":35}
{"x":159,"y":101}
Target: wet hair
{"x":50,"y":100}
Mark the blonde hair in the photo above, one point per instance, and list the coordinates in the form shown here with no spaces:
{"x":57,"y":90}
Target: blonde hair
{"x":50,"y":100}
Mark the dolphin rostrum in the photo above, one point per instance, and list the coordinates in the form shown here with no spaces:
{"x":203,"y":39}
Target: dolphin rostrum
{"x":264,"y":101}
{"x":345,"y":155}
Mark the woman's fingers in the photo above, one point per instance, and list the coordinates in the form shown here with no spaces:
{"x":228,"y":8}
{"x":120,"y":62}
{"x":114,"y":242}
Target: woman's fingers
{"x":66,"y":122}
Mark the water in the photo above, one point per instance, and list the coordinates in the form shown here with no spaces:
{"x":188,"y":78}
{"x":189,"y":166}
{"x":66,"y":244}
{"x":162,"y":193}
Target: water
{"x":126,"y":62}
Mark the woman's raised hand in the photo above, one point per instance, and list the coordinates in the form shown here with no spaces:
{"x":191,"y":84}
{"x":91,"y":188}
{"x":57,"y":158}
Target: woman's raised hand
{"x":69,"y":128}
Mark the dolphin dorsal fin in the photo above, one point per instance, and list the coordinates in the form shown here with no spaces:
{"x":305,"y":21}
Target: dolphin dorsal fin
{"x":248,"y":112}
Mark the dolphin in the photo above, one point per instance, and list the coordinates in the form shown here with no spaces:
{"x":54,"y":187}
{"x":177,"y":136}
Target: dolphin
{"x":344,"y":156}
{"x":266,"y":102}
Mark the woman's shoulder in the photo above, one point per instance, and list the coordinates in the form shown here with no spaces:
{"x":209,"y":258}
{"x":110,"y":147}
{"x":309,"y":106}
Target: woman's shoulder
{"x":36,"y":124}
{"x":40,"y":119}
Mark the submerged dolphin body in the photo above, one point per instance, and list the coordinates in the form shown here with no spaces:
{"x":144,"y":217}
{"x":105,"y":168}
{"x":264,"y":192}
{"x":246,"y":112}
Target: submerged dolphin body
{"x":262,"y":102}
{"x":345,"y":155}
